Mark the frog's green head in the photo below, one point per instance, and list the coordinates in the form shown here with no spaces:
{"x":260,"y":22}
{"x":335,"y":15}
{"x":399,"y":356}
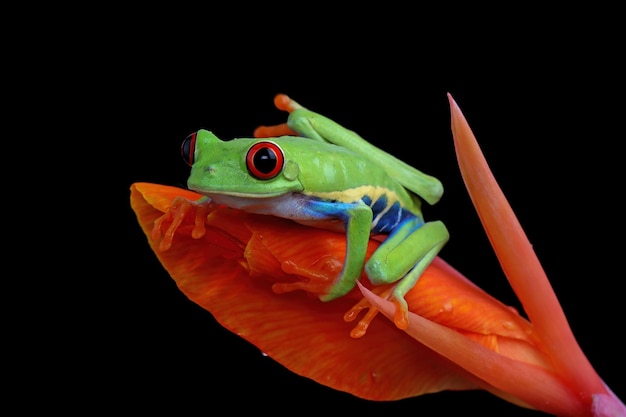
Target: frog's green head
{"x":238,"y":167}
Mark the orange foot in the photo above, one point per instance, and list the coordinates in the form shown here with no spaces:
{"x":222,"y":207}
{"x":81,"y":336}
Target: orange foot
{"x":282,"y":102}
{"x":317,"y":282}
{"x":165,"y":226}
{"x":401,"y":316}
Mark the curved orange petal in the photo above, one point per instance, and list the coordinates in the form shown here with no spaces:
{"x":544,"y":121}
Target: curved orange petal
{"x":299,"y":331}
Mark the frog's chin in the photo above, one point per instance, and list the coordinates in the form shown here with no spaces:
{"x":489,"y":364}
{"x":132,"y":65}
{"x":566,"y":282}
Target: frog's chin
{"x":291,"y":205}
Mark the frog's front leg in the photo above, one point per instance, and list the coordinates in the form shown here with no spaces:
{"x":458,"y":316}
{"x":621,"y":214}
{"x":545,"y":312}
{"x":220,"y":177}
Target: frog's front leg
{"x":166,"y":226}
{"x":357,"y":220}
{"x":402,"y":257}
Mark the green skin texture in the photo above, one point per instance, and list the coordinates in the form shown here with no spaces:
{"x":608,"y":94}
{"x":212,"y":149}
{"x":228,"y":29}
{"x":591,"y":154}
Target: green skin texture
{"x":333,"y":164}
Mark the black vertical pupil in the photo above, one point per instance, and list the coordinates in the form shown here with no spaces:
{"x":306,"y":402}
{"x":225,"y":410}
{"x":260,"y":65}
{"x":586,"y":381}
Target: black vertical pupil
{"x":265,"y":160}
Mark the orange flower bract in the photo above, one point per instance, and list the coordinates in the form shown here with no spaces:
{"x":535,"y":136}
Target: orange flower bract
{"x":261,"y":278}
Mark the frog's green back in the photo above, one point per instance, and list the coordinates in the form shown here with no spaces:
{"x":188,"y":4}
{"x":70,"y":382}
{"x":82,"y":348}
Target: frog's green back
{"x":320,"y":128}
{"x":333,"y":172}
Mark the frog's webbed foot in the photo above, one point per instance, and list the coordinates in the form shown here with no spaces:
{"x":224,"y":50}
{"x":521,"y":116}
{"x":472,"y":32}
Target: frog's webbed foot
{"x":401,"y":316}
{"x":317,"y":281}
{"x":181,"y":210}
{"x":282,"y":102}
{"x":285,"y":103}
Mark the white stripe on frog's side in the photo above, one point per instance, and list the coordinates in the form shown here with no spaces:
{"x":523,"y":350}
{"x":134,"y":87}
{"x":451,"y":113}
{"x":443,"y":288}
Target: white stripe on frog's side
{"x":376,"y":219}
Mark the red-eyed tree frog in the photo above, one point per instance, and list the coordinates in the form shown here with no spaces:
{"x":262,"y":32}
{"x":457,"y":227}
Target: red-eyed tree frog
{"x":327,"y":176}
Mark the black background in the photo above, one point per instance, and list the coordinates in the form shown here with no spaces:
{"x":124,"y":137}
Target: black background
{"x":546,"y":113}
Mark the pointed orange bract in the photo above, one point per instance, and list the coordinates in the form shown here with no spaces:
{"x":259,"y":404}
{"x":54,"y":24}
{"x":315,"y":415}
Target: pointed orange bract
{"x":520,"y":264}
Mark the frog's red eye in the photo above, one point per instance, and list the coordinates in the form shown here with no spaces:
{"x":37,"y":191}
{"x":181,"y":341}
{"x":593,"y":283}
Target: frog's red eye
{"x":265,"y":160}
{"x":188,"y":148}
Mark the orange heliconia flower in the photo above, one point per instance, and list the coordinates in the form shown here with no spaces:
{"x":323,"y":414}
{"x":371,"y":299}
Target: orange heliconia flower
{"x":260,"y":276}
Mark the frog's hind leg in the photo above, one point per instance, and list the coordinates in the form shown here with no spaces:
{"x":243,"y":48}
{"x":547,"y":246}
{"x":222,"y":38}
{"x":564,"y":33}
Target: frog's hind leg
{"x":399,"y":262}
{"x":413,"y":248}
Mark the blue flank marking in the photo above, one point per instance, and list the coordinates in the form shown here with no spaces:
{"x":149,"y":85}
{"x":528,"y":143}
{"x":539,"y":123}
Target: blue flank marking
{"x":395,"y":216}
{"x":392,"y":218}
{"x":389,"y":222}
{"x":379,"y":205}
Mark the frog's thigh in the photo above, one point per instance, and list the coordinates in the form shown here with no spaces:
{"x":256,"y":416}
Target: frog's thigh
{"x":407,"y":248}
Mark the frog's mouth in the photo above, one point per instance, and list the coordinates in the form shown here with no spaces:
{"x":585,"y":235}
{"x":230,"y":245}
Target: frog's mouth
{"x":215,"y":195}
